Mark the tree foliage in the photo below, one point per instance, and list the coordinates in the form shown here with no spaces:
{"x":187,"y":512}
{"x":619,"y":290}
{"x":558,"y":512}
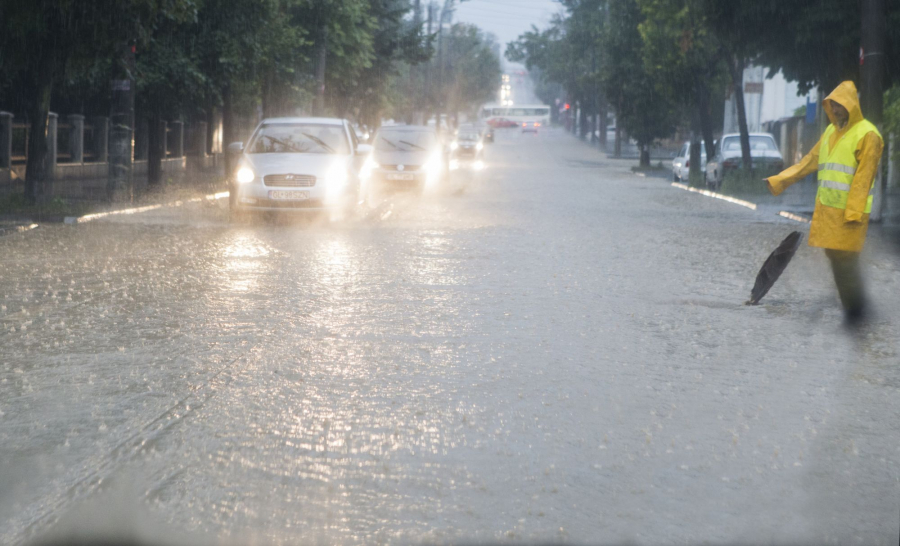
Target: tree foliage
{"x":352,"y":58}
{"x":471,"y":71}
{"x":692,"y":52}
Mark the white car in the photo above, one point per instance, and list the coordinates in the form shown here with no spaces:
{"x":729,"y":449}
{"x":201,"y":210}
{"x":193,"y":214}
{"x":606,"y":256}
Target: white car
{"x":763,"y":152}
{"x":681,"y":165}
{"x":308,"y":164}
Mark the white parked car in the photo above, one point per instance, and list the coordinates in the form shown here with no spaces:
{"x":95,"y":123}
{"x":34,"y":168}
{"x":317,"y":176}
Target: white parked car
{"x":763,"y":151}
{"x":308,"y":164}
{"x":681,"y":165}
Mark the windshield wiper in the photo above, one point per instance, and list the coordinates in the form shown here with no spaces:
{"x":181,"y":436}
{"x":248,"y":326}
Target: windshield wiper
{"x":319,"y":141}
{"x":285,"y":144}
{"x":391,"y":143}
{"x":411,"y":144}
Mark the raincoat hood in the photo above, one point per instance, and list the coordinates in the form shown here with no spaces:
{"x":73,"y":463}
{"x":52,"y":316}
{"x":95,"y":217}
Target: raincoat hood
{"x":844,"y":94}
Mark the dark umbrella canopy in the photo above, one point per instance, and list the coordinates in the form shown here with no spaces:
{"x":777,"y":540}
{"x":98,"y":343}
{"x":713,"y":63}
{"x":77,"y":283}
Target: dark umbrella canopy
{"x":773,"y":267}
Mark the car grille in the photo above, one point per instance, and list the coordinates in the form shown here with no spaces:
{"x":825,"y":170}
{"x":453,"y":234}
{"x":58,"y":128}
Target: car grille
{"x":290,"y":180}
{"x":408,"y":168}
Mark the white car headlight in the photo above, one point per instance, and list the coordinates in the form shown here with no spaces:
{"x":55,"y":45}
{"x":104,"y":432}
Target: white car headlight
{"x":367,"y":168}
{"x":245,"y":175}
{"x":479,"y":146}
{"x":337,"y":176}
{"x":335,"y":179}
{"x":454,"y":145}
{"x":433,"y":168}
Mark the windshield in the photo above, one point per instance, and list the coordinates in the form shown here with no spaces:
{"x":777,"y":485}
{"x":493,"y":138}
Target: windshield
{"x":404,"y":141}
{"x":278,"y":138}
{"x":468,"y":135}
{"x":757,"y":143}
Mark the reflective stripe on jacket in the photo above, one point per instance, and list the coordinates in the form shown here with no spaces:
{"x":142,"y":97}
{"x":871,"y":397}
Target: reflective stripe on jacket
{"x":837,"y":166}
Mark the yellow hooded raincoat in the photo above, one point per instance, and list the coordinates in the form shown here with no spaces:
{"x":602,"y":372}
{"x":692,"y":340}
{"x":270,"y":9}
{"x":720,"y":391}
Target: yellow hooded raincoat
{"x":839,"y":229}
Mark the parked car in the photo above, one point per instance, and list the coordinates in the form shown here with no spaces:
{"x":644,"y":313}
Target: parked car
{"x":681,"y":165}
{"x":404,"y":157}
{"x":306,"y":164}
{"x":763,"y":151}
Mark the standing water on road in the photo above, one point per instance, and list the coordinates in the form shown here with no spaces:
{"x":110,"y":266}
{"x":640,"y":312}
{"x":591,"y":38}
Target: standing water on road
{"x":377,"y":273}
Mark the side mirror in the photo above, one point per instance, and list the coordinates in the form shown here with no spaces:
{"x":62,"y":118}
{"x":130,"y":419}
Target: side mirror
{"x":236,"y":148}
{"x":364,"y":149}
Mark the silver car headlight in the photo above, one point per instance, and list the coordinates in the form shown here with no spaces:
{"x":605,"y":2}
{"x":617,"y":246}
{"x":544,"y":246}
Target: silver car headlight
{"x":245,"y":175}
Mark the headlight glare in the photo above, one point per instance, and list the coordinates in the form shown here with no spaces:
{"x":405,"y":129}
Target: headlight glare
{"x":245,"y":175}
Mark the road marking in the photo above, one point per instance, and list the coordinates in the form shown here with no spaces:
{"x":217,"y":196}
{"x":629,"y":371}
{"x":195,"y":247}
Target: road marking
{"x":137,"y":210}
{"x":794,"y":217}
{"x":741,"y":202}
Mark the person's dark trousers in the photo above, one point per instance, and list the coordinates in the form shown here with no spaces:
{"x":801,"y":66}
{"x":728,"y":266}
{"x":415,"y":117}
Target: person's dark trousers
{"x":848,"y":278}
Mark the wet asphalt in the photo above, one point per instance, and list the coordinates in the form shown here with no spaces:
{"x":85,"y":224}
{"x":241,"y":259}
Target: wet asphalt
{"x":555,"y":350}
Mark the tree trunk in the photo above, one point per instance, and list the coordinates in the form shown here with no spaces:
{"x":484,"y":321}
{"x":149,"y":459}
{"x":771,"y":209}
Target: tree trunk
{"x":737,"y":78}
{"x":694,"y":153}
{"x":228,"y":128}
{"x":154,"y":150}
{"x":604,"y":121}
{"x":582,"y":121}
{"x":618,"y":146}
{"x":645,"y":155}
{"x":704,"y":115}
{"x":38,"y":111}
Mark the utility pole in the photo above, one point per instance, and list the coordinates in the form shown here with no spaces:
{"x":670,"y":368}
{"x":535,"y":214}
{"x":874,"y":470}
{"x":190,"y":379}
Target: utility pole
{"x":429,"y":74}
{"x":871,"y":72}
{"x":120,"y":181}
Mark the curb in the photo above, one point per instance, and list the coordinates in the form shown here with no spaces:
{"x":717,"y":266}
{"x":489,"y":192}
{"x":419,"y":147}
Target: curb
{"x":17,"y":229}
{"x":136,"y":210}
{"x":741,"y":202}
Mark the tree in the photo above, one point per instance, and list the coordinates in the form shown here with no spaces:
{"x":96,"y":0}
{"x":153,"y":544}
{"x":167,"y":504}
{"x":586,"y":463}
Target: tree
{"x":643,"y":106}
{"x":397,"y":43}
{"x":680,"y":47}
{"x":45,"y":44}
{"x":472,"y":71}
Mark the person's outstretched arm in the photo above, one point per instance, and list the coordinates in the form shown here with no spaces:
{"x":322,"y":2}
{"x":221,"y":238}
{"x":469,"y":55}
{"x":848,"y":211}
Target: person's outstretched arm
{"x":808,"y":165}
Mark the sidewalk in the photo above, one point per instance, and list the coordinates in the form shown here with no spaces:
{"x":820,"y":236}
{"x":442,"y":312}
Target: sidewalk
{"x":184,"y":187}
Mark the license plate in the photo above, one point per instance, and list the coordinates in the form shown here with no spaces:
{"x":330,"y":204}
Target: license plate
{"x":288,"y":195}
{"x":399,"y":176}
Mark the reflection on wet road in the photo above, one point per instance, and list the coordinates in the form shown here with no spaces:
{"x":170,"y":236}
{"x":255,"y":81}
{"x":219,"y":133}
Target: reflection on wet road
{"x":554,"y":351}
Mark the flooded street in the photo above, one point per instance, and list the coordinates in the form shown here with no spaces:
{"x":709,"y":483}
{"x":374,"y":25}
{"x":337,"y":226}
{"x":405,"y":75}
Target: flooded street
{"x":555,"y":350}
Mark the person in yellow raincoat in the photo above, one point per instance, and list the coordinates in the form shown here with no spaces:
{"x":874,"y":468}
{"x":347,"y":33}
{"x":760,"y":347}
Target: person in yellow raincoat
{"x":846,"y":158}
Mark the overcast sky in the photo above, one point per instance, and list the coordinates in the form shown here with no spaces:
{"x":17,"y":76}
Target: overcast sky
{"x":506,"y":18}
